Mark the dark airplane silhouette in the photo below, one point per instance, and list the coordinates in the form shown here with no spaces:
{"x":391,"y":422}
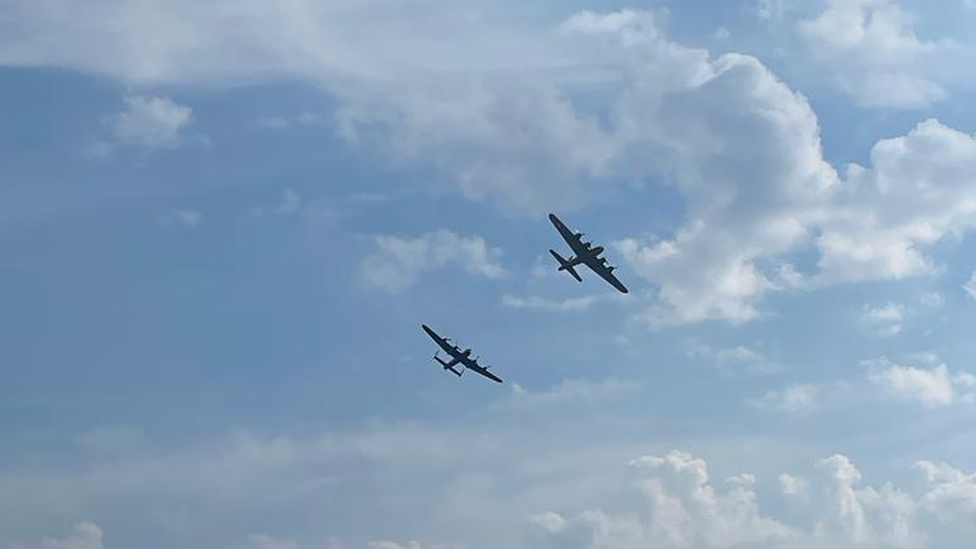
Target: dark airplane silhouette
{"x":458,"y":357}
{"x":585,"y":255}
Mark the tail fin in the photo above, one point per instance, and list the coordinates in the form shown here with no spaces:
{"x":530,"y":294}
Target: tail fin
{"x":565,"y":265}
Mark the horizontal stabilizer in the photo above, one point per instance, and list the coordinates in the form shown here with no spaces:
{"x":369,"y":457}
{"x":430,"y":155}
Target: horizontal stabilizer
{"x":565,"y":265}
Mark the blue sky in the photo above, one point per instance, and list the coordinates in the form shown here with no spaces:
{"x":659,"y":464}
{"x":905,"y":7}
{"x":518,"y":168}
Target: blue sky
{"x":222,"y":226}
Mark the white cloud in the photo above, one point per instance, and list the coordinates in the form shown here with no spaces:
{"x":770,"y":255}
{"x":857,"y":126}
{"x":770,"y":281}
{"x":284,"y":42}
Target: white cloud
{"x":183,"y":217}
{"x":556,"y":305}
{"x":931,"y":387}
{"x":733,"y":360}
{"x":588,"y":530}
{"x":410,"y":473}
{"x":795,"y":399}
{"x":792,"y":486}
{"x":872,"y":47}
{"x":931,"y":299}
{"x":951,"y":494}
{"x":261,"y":541}
{"x":398,"y":262}
{"x":768,"y":9}
{"x":886,"y":319}
{"x":661,"y":111}
{"x":394,"y":545}
{"x":682,"y":509}
{"x":919,"y":190}
{"x":864,"y":515}
{"x":573,"y":392}
{"x":152,"y":122}
{"x":291,"y":203}
{"x":85,"y":535}
{"x":970,"y":286}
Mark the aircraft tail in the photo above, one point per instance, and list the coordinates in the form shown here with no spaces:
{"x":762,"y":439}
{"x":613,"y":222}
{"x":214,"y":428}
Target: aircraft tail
{"x":565,"y":265}
{"x":447,"y":365}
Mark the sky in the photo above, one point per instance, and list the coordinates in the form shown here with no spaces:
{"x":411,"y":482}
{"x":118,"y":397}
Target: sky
{"x":223,"y":223}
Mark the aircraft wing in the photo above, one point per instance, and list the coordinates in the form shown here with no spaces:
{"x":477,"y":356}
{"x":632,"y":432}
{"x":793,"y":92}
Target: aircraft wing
{"x":568,"y":235}
{"x":448,"y":348}
{"x":605,"y":273}
{"x":475,"y":367}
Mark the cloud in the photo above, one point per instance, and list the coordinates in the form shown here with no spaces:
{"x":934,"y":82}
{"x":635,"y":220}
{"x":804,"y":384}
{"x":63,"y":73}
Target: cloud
{"x":864,"y":515}
{"x":555,"y":305}
{"x":184,"y":217}
{"x":658,"y":112}
{"x":682,"y":509}
{"x":261,"y":541}
{"x":399,"y":262}
{"x":305,"y":118}
{"x":797,"y":399}
{"x":872,"y":47}
{"x":394,"y":545}
{"x":931,"y":299}
{"x":932,"y":387}
{"x":85,"y":535}
{"x":291,"y":203}
{"x":768,"y":9}
{"x":572,"y":392}
{"x":951,"y":495}
{"x":970,"y":286}
{"x":734,"y":360}
{"x":792,"y":486}
{"x":885,"y":319}
{"x":221,"y":488}
{"x":152,"y":122}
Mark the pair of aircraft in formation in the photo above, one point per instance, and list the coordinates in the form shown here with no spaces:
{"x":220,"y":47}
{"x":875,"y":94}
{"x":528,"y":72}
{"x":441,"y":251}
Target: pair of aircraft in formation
{"x":583,"y":254}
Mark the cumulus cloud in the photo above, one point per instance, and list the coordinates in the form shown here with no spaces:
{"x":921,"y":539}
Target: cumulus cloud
{"x":872,"y":47}
{"x":793,"y":486}
{"x":932,"y":387}
{"x":864,"y":515}
{"x":951,"y":495}
{"x":683,"y":509}
{"x":660,"y":112}
{"x":398,"y":262}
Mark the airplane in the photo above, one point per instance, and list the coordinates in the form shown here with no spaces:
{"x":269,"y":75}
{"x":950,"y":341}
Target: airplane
{"x":458,"y":357}
{"x":585,"y":255}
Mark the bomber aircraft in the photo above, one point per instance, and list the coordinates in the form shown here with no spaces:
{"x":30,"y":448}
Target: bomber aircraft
{"x":585,"y":255}
{"x":458,"y":357}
